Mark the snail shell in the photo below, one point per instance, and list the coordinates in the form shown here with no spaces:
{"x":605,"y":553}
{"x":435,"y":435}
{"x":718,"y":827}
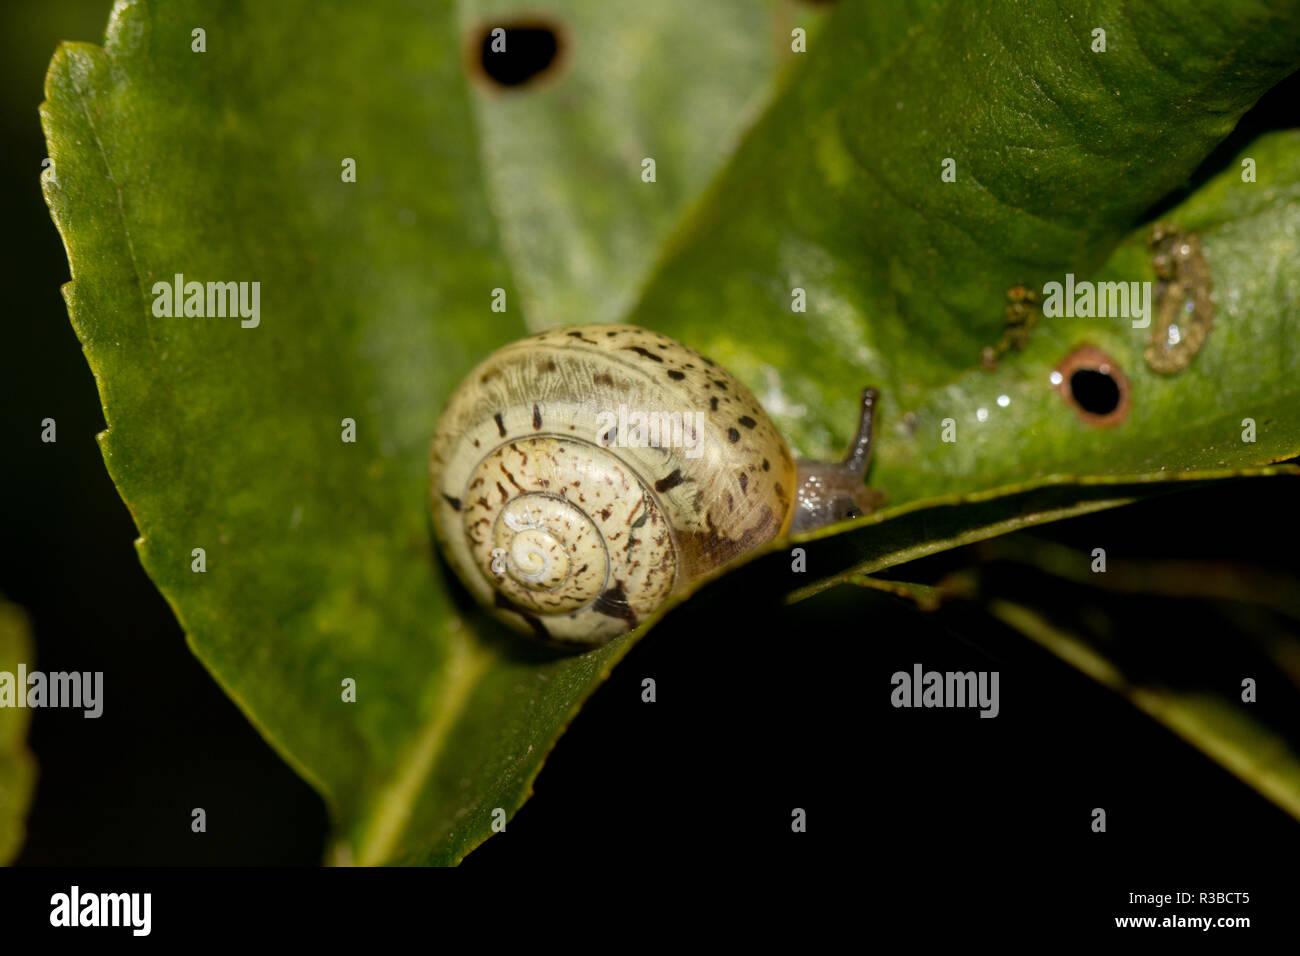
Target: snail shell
{"x":549,"y":516}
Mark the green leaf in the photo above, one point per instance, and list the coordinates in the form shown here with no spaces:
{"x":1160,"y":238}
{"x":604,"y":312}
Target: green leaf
{"x":1059,"y":152}
{"x":225,"y":166}
{"x":17,"y":765}
{"x":563,"y":154}
{"x":1193,"y":420}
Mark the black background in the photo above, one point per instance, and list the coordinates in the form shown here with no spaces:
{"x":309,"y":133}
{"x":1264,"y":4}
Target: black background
{"x":760,"y":708}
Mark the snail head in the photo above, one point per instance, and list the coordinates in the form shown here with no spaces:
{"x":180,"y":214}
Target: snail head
{"x":831,"y":491}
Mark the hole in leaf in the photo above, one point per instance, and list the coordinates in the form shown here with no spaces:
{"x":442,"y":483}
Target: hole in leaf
{"x":513,"y":55}
{"x":1095,"y":392}
{"x":1092,"y":381}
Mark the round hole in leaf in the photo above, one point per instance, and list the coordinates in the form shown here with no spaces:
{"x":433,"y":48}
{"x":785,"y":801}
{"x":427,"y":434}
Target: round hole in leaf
{"x":514,"y":55}
{"x":1094,"y":384}
{"x":1095,"y":392}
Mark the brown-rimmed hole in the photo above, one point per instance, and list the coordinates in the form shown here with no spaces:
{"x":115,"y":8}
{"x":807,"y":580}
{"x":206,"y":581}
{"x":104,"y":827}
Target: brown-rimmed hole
{"x":1094,"y":384}
{"x":522,"y":53}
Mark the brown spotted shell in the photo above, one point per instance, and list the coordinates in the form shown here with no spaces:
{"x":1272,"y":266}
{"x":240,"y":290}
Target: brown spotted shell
{"x":581,"y":476}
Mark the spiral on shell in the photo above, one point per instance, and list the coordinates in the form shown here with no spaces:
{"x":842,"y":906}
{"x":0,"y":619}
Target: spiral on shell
{"x":569,"y":534}
{"x":543,"y":550}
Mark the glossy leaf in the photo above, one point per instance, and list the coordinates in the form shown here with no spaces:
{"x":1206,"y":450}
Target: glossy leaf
{"x":563,"y":152}
{"x":1059,"y":153}
{"x":226,"y":166}
{"x":316,"y":562}
{"x":1014,"y":423}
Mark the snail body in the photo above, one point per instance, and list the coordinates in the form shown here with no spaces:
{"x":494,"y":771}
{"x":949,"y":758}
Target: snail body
{"x":581,"y":476}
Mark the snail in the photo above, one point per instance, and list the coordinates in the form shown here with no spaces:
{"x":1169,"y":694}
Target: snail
{"x":581,"y":476}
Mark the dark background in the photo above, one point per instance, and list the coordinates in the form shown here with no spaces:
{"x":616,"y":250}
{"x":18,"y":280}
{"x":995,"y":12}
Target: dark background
{"x":775,"y":708}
